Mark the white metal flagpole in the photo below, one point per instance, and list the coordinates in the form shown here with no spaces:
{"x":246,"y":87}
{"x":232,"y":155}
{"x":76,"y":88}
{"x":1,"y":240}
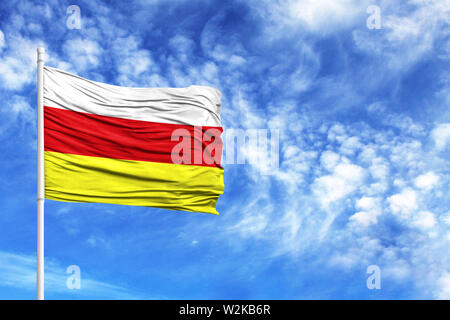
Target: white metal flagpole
{"x":40,"y":175}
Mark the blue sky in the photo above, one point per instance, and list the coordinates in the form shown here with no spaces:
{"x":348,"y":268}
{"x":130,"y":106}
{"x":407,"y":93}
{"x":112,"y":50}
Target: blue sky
{"x":364,"y":123}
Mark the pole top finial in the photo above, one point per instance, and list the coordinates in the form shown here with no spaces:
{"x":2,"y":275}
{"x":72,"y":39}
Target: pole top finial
{"x":40,"y":54}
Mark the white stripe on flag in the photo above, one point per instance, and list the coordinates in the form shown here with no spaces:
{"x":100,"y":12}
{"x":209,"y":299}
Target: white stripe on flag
{"x":194,"y":105}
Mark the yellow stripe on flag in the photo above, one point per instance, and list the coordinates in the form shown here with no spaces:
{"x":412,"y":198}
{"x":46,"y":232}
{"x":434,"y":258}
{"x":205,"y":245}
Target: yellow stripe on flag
{"x":77,"y":178}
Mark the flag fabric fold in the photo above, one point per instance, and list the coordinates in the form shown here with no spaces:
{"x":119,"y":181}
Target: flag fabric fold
{"x":112,"y":144}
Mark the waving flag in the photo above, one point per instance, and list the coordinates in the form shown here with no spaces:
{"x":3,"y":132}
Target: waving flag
{"x":121,"y":145}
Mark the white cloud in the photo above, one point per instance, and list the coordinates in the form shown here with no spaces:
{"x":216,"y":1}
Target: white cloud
{"x":444,"y":287}
{"x":95,"y":241}
{"x":132,"y":62}
{"x":17,"y":113}
{"x":84,"y":54}
{"x":2,"y":40}
{"x":364,"y":218}
{"x":367,"y":154}
{"x":183,"y":48}
{"x":337,"y":133}
{"x":424,"y":220}
{"x":350,"y":146}
{"x":329,"y":160}
{"x":345,"y":179}
{"x":441,"y":136}
{"x":324,"y":15}
{"x":397,"y":269}
{"x":446,"y":218}
{"x":379,"y":169}
{"x":426,"y":181}
{"x":370,"y":207}
{"x":18,"y":62}
{"x":251,"y":225}
{"x":20,"y":107}
{"x":403,"y":203}
{"x":367,"y":203}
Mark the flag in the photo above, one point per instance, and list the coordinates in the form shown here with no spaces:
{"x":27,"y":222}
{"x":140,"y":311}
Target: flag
{"x":156,"y":147}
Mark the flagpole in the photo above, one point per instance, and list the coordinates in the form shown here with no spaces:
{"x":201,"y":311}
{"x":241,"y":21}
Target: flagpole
{"x":40,"y":175}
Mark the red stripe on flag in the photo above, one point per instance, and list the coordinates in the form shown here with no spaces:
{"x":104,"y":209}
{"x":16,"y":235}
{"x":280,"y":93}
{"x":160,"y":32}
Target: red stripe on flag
{"x":110,"y":137}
